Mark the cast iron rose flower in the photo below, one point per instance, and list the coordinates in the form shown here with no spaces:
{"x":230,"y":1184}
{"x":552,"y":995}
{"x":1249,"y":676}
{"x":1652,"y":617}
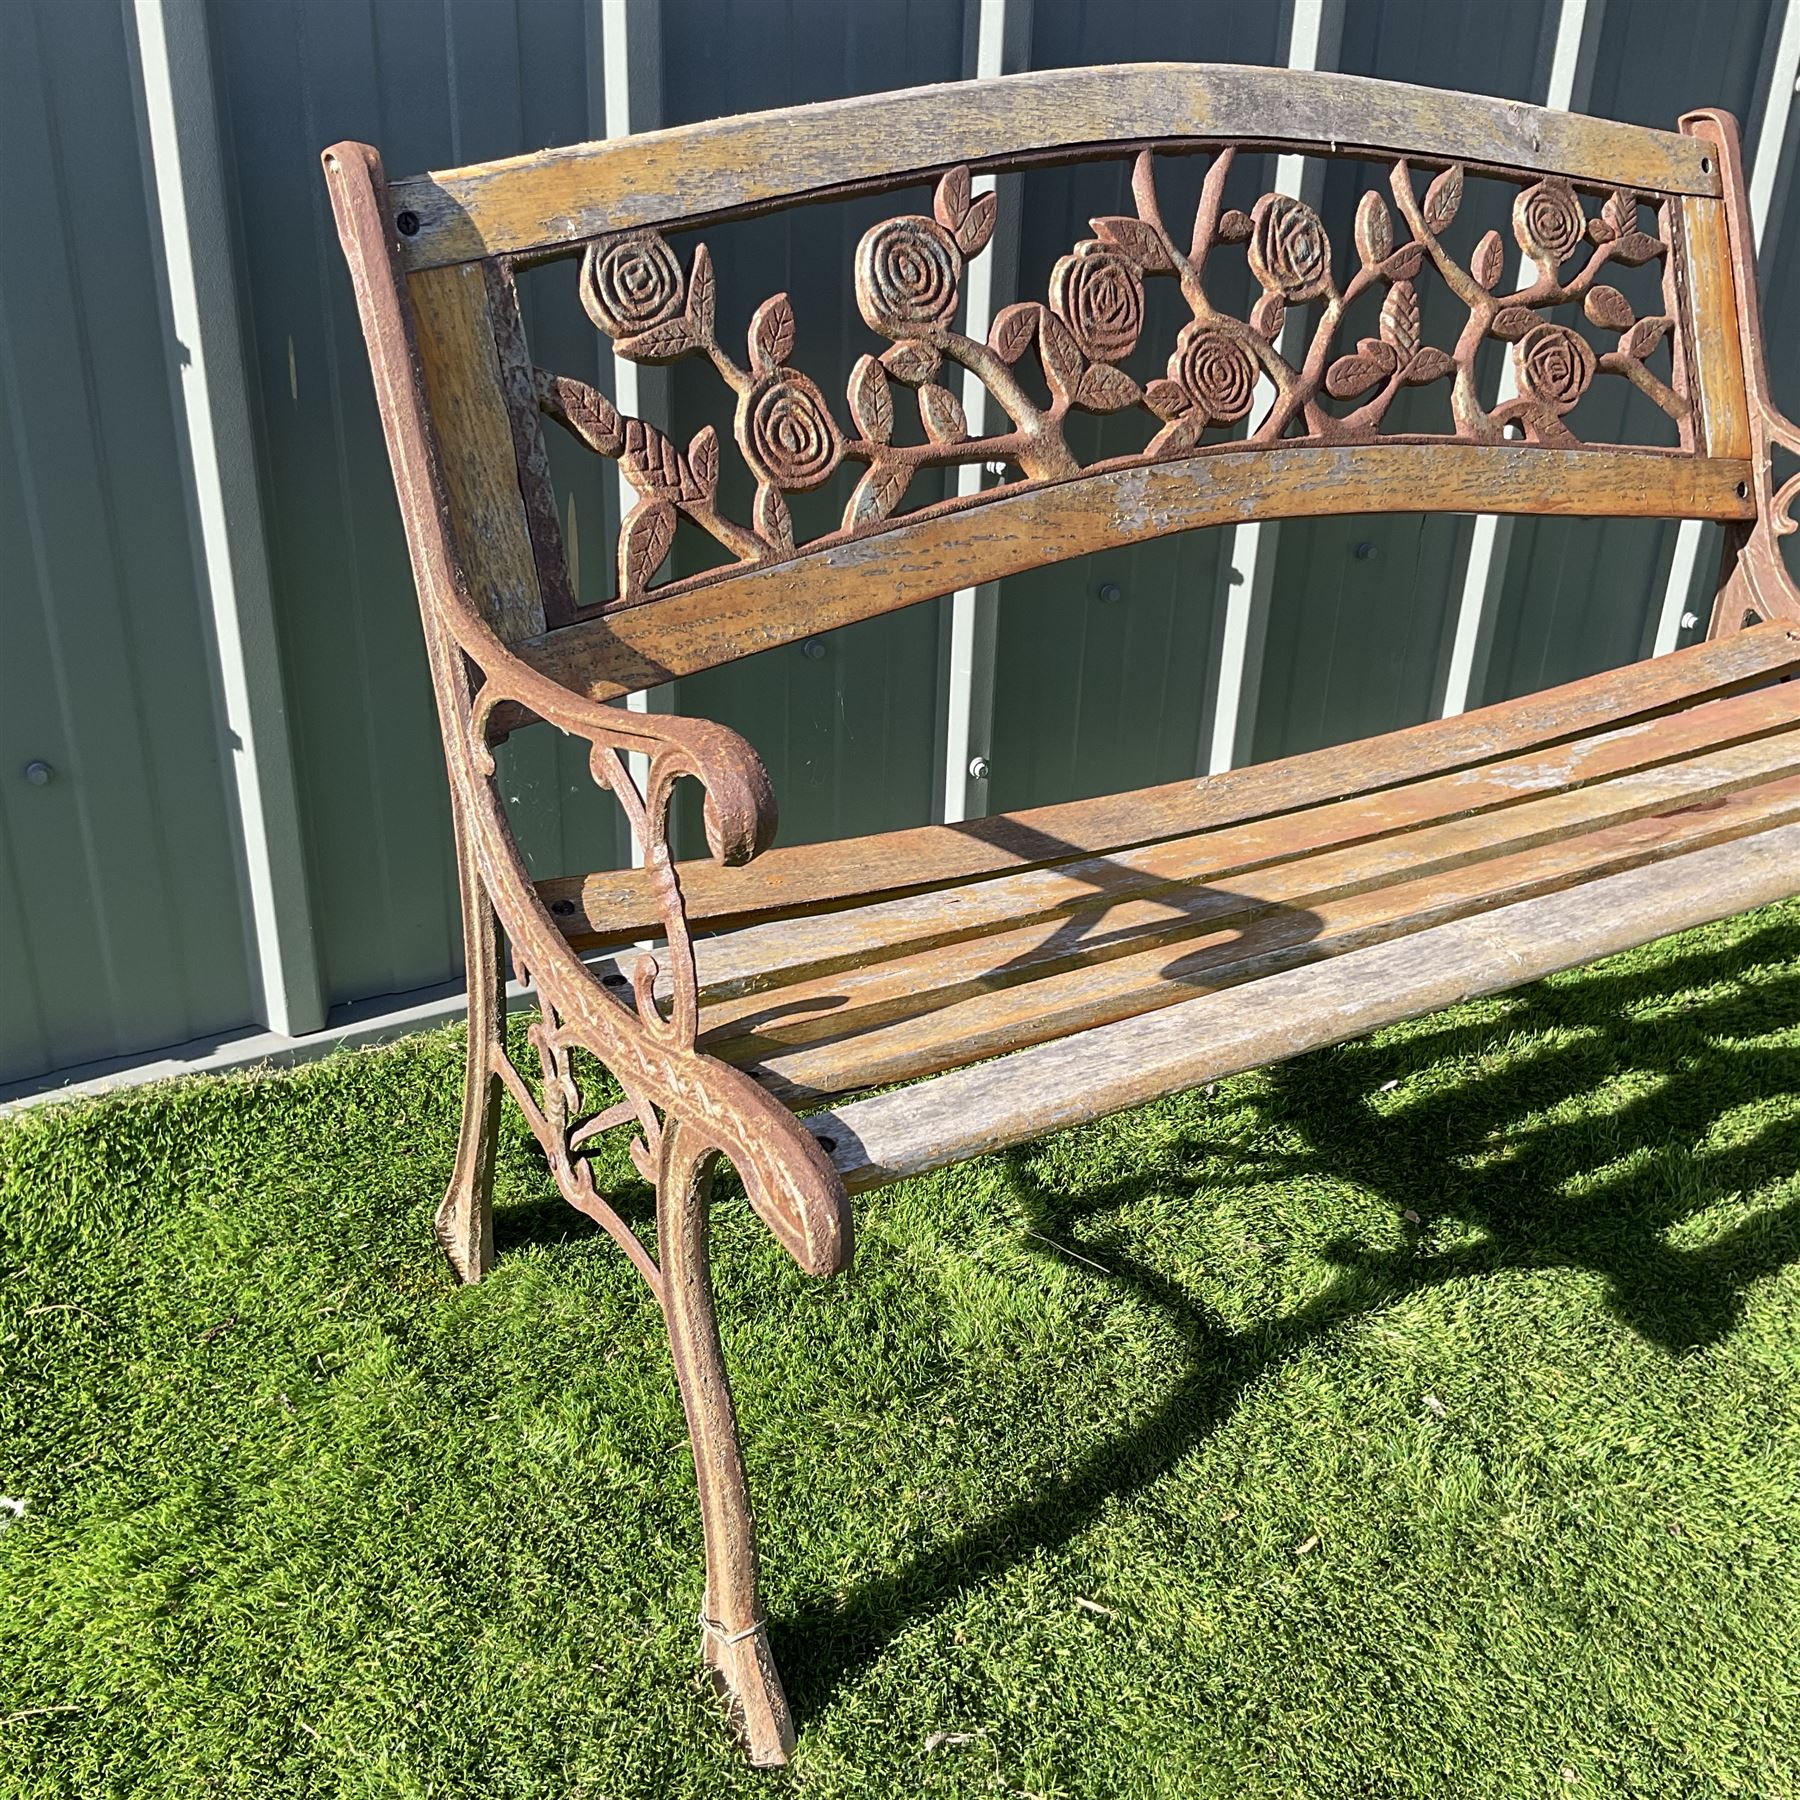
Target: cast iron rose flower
{"x":1215,"y":370}
{"x":1554,"y":365}
{"x":1100,"y":297}
{"x":631,"y":283}
{"x":1548,"y":222}
{"x":1288,"y":248}
{"x":788,"y":435}
{"x":907,"y":272}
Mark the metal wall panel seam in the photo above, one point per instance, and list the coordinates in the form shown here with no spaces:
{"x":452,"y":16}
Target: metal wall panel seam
{"x":1001,"y":45}
{"x":625,"y":95}
{"x":1690,"y":573}
{"x":180,"y":125}
{"x":1574,"y":32}
{"x":1247,"y":569}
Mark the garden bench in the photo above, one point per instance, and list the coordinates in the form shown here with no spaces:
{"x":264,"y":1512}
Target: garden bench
{"x":1010,"y":975}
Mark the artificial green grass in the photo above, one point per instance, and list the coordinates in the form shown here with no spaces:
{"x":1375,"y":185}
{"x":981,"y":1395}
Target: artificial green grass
{"x":1418,"y":1418}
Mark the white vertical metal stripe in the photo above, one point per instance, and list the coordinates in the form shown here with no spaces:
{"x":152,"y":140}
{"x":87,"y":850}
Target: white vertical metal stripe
{"x":179,"y":123}
{"x":1688,"y":576}
{"x":1772,"y":174}
{"x":1002,"y":36}
{"x":1315,"y":39}
{"x":1574,"y":38}
{"x":625,"y":95}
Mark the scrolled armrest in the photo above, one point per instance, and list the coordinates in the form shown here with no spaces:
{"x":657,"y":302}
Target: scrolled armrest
{"x":739,"y":813}
{"x":788,"y":1178}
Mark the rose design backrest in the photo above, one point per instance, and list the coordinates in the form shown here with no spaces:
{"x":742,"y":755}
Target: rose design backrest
{"x":1279,"y":411}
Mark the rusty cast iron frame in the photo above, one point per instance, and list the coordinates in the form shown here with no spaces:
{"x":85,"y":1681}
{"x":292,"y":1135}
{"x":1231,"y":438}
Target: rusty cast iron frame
{"x":690,"y":1108}
{"x":1756,"y":582}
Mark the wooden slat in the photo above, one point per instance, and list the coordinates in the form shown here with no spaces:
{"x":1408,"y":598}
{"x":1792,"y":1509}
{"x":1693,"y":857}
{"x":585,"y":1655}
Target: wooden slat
{"x":1522,"y":800}
{"x":531,"y":457}
{"x":1038,"y":1091}
{"x":455,"y":336}
{"x":711,"y":619}
{"x":992,"y":1022}
{"x":1062,"y":928}
{"x":1709,"y":336}
{"x":533,"y":203}
{"x":617,"y":907}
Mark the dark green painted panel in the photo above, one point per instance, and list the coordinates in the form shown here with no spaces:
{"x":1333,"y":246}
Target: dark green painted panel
{"x":432,"y":84}
{"x":1361,"y":610}
{"x":848,"y":733}
{"x":120,"y":920}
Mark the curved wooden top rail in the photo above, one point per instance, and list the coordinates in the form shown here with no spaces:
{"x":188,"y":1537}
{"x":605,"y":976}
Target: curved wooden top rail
{"x":697,"y":625}
{"x":532,"y":204}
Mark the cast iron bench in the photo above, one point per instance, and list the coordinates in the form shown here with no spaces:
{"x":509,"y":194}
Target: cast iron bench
{"x":1020,"y":973}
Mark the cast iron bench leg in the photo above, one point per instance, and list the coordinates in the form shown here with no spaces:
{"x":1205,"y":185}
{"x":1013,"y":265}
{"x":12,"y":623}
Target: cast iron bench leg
{"x":734,"y":1635}
{"x":465,"y":1221}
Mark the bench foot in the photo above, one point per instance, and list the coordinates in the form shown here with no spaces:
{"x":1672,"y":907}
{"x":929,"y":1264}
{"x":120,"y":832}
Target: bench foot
{"x":744,"y":1673}
{"x":465,"y":1218}
{"x":734,"y":1634}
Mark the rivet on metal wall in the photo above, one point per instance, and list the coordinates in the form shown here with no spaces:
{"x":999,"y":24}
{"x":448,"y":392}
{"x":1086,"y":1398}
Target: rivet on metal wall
{"x":1363,"y":551}
{"x":813,"y":647}
{"x":38,"y":772}
{"x":1110,"y":591}
{"x":978,"y":768}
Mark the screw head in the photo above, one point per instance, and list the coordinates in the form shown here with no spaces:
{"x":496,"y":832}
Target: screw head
{"x":1689,"y":621}
{"x":1363,"y":551}
{"x":978,"y":768}
{"x":38,"y":772}
{"x":813,"y":647}
{"x":407,"y":223}
{"x":1110,"y":592}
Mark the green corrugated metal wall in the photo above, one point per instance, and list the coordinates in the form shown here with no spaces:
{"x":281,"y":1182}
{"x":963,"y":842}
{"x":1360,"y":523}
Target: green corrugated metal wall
{"x":120,"y":901}
{"x":121,"y":922}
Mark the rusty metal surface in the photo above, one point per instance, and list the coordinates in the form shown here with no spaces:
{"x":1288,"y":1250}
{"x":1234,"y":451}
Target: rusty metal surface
{"x":909,"y":273}
{"x":1757,"y":583}
{"x":688,"y":1107}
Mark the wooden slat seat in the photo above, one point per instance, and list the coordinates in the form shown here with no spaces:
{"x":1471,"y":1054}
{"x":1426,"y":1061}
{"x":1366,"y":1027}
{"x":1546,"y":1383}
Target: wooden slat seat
{"x":1013,"y":1099}
{"x":619,"y":906}
{"x":1073,"y":934}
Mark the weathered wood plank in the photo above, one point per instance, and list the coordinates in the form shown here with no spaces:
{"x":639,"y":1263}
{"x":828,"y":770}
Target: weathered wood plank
{"x":1113,"y":1067}
{"x":618,"y":906}
{"x":531,"y":457}
{"x":892,"y":977}
{"x":455,"y":336}
{"x":532,"y":203}
{"x":698,"y":623}
{"x":1709,"y":335}
{"x":1527,"y":799}
{"x":994,"y":1021}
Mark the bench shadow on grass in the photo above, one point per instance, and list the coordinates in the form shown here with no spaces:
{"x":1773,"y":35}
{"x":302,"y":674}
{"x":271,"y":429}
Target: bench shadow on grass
{"x":1435,"y":1157}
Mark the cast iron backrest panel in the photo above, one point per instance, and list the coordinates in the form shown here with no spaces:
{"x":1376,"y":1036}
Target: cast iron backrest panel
{"x":1232,"y":428}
